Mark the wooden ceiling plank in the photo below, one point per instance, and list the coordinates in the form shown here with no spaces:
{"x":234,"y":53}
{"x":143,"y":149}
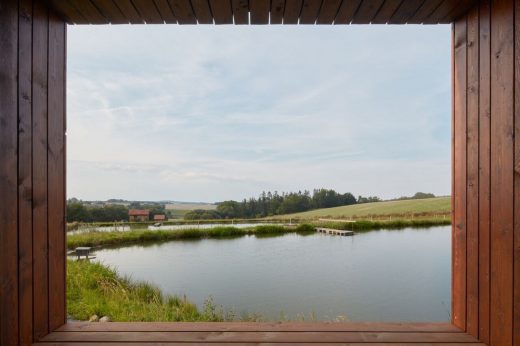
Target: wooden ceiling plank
{"x":406,"y":11}
{"x":148,"y":11}
{"x":463,"y":6}
{"x":68,"y":12}
{"x":165,"y":11}
{"x":441,"y":12}
{"x":89,"y":11}
{"x":426,"y":9}
{"x":202,"y":11}
{"x":346,"y":11}
{"x":183,"y":11}
{"x":310,"y":11}
{"x":328,"y":11}
{"x":240,"y":11}
{"x":386,"y":11}
{"x":110,"y":11}
{"x":222,"y":13}
{"x":259,"y":10}
{"x":367,"y":11}
{"x":129,"y":11}
{"x":277,"y":10}
{"x":292,"y":11}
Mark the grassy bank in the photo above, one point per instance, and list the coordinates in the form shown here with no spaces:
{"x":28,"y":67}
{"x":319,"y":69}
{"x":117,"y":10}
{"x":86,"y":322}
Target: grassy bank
{"x":138,"y":236}
{"x":366,"y":225}
{"x":95,"y":238}
{"x":93,"y":289}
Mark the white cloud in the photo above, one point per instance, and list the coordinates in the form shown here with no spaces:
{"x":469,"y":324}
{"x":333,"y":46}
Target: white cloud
{"x":211,"y":113}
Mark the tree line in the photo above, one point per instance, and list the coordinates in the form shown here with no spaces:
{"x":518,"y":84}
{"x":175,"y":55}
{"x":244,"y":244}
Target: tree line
{"x":271,"y":204}
{"x":78,"y":211}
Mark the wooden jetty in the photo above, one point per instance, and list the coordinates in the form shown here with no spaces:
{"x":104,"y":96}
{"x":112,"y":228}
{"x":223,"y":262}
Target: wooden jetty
{"x":334,"y":231}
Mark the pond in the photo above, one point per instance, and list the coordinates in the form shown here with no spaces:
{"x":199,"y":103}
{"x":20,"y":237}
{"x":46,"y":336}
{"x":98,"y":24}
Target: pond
{"x":402,"y":275}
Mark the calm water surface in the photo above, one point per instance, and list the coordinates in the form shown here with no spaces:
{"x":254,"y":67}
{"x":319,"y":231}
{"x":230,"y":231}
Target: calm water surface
{"x":374,"y":276}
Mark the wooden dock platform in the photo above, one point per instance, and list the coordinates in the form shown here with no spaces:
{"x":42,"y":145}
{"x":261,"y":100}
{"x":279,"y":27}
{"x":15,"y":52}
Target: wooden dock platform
{"x":334,"y":231}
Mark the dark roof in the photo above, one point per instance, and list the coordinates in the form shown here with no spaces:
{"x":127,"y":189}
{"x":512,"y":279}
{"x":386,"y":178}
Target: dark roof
{"x":262,"y":12}
{"x":138,"y":212}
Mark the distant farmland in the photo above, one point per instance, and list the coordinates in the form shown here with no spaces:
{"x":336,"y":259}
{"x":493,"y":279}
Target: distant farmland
{"x":178,"y":210}
{"x":431,"y":206}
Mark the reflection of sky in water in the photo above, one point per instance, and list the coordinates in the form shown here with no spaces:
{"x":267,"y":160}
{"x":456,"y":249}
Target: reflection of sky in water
{"x":377,"y":276}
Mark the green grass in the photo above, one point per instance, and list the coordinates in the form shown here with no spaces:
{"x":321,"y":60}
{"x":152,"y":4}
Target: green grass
{"x":95,"y":238}
{"x":94,"y":289}
{"x":367,"y":225}
{"x":401,"y":209}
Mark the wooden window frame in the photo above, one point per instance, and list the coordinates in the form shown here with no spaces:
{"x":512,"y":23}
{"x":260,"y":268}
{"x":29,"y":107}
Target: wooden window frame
{"x":485,"y":170}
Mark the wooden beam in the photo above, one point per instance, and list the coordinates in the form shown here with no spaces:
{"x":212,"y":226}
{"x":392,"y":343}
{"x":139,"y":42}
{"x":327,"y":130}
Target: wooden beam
{"x":183,"y":11}
{"x":310,"y":11}
{"x":39,"y":142}
{"x":9,"y":173}
{"x":165,"y":11}
{"x":472,"y":166}
{"x":25,"y":232}
{"x":502,"y":179}
{"x":222,"y":13}
{"x":56,"y":172}
{"x":459,"y":174}
{"x":367,"y":11}
{"x":346,"y":11}
{"x":148,"y":11}
{"x":484,"y":169}
{"x":202,"y":11}
{"x":259,"y":10}
{"x":292,"y":11}
{"x":129,"y":11}
{"x":386,"y":11}
{"x":277,"y":11}
{"x":110,"y":11}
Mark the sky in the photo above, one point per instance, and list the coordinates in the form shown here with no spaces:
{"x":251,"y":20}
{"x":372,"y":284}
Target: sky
{"x":211,"y":113}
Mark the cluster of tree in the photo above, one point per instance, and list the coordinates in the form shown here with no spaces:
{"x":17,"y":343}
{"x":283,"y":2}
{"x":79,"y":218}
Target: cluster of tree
{"x":269,"y":204}
{"x":200,"y":214}
{"x":418,"y":195}
{"x":82,"y":212}
{"x":78,"y":212}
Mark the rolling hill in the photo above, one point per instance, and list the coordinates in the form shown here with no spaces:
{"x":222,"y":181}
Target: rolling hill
{"x":439,"y":205}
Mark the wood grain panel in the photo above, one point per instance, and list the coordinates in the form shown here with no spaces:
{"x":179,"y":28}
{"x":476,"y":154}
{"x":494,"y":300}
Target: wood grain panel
{"x":310,"y":11}
{"x":110,"y":11}
{"x":8,"y":173}
{"x":89,"y":11}
{"x":516,"y":264}
{"x":346,"y":11}
{"x":328,"y":11}
{"x":129,"y":11}
{"x":367,"y":11}
{"x":425,"y":11}
{"x":472,"y":185}
{"x":241,"y":337}
{"x":68,"y":11}
{"x":459,"y":173}
{"x":165,"y":11}
{"x":202,"y":11}
{"x":222,"y":13}
{"x":183,"y":11}
{"x":484,"y":168}
{"x":406,"y":11}
{"x":386,"y":11}
{"x":39,"y":142}
{"x":56,"y":171}
{"x":292,"y":11}
{"x":502,"y":74}
{"x":277,"y":11}
{"x":148,"y":11}
{"x":25,"y":235}
{"x":259,"y":10}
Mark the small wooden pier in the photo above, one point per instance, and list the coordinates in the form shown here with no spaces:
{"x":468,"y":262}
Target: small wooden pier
{"x":334,"y":231}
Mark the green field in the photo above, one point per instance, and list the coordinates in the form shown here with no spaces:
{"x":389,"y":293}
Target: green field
{"x":427,"y":207}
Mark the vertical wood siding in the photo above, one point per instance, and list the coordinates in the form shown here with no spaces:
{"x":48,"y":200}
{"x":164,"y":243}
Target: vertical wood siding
{"x":32,"y":171}
{"x":486,"y":187}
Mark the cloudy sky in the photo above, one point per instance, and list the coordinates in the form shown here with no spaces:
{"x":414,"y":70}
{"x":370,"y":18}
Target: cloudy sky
{"x":208,"y":113}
